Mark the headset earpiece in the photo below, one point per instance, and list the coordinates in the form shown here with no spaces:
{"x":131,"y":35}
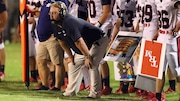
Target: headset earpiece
{"x":62,"y":11}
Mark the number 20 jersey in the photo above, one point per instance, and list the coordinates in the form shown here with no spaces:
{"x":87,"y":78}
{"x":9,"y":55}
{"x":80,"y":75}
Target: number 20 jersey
{"x":95,"y":8}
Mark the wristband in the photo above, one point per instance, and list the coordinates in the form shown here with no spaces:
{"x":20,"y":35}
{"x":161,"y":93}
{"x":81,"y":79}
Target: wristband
{"x":98,"y":24}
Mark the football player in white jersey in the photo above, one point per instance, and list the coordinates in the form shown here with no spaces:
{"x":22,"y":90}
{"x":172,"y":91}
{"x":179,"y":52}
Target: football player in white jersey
{"x":138,"y":23}
{"x":125,"y":10}
{"x":167,"y":22}
{"x":32,"y":13}
{"x":177,"y":30}
{"x":3,"y":20}
{"x":100,"y":15}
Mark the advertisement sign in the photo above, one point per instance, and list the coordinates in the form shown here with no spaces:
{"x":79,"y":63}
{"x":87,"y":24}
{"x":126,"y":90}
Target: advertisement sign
{"x":151,"y":59}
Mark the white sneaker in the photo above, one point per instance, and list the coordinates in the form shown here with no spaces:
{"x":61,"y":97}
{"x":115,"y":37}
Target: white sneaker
{"x":68,"y":94}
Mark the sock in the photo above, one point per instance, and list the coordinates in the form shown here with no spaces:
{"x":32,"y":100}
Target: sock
{"x":105,"y":81}
{"x":125,"y":87}
{"x":37,"y":74}
{"x":172,"y":84}
{"x":53,"y":78}
{"x":33,"y":74}
{"x":66,"y":75}
{"x":158,"y":96}
{"x":2,"y":68}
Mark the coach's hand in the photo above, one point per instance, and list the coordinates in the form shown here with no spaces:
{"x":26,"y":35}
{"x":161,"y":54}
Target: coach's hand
{"x":71,"y":59}
{"x":88,"y":61}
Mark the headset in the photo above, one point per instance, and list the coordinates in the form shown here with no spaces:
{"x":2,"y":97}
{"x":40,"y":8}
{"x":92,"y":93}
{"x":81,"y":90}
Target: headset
{"x":62,"y":9}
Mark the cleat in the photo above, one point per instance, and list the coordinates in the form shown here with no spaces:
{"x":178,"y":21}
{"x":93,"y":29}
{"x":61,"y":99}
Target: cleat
{"x":43,"y":88}
{"x":138,"y":92}
{"x":131,"y":89}
{"x":88,"y":88}
{"x":106,"y":90}
{"x":119,"y":91}
{"x":2,"y":75}
{"x":55,"y":89}
{"x":169,"y":90}
{"x":65,"y":84}
{"x":155,"y":99}
{"x":82,"y":86}
{"x":31,"y":79}
{"x":149,"y":95}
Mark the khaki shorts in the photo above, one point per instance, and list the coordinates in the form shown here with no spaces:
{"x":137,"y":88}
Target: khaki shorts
{"x":50,"y":50}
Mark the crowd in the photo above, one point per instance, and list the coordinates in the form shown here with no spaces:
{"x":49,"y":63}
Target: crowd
{"x":68,"y":40}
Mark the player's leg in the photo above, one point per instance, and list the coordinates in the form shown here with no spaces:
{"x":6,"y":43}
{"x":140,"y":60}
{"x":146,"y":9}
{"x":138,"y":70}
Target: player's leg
{"x":172,"y":82}
{"x":159,"y":87}
{"x":32,"y":66}
{"x":104,"y":68}
{"x":32,"y":51}
{"x":178,"y":86}
{"x":2,"y":61}
{"x":2,"y":57}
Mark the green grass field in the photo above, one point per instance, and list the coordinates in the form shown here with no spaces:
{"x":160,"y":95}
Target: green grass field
{"x":13,"y":89}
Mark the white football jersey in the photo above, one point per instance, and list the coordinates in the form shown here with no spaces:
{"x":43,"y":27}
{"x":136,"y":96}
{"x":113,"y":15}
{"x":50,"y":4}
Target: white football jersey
{"x":116,"y":11}
{"x":167,"y":19}
{"x":139,"y":14}
{"x":95,"y":10}
{"x":127,"y":13}
{"x":150,"y":11}
{"x":73,"y":8}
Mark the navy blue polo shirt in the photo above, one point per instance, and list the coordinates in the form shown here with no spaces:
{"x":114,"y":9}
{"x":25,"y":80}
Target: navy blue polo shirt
{"x":44,"y":26}
{"x":2,"y":6}
{"x":76,"y":28}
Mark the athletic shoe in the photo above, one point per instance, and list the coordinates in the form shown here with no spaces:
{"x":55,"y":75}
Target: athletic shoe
{"x":82,"y":86}
{"x":169,"y":90}
{"x":119,"y":91}
{"x":88,"y":88}
{"x":131,"y":89}
{"x":155,"y":99}
{"x":55,"y":89}
{"x":43,"y":88}
{"x":68,"y":94}
{"x":138,"y":92}
{"x":65,"y":84}
{"x":106,"y":90}
{"x":31,"y":79}
{"x":64,"y":87}
{"x":2,"y":75}
{"x":149,"y":96}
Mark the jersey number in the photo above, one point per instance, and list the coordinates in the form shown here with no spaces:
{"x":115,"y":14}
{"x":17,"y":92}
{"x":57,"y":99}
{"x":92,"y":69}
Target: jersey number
{"x":129,"y":15}
{"x":92,"y":9}
{"x":163,"y":19}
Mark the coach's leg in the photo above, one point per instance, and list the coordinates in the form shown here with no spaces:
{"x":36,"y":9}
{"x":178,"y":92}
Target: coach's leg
{"x":97,"y":52}
{"x":74,"y":75}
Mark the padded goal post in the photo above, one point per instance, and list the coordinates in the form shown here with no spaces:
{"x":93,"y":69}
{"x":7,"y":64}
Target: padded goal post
{"x":24,"y":41}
